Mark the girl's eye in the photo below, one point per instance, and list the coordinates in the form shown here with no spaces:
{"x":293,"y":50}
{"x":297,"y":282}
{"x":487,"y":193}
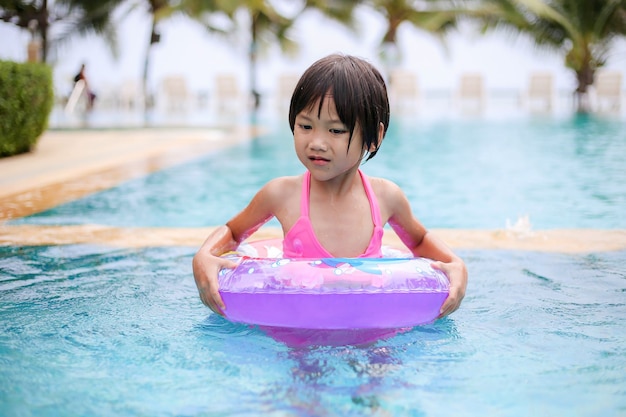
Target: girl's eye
{"x":305,"y":127}
{"x":338,"y":131}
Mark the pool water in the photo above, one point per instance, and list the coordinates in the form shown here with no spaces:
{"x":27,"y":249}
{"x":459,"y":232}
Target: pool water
{"x":472,"y":174}
{"x":94,"y":330}
{"x":88,"y":330}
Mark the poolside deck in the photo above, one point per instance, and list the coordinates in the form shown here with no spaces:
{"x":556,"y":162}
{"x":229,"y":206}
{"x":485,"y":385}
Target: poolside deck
{"x":70,"y":164}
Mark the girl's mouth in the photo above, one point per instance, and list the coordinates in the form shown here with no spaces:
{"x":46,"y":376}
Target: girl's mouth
{"x":318,"y":160}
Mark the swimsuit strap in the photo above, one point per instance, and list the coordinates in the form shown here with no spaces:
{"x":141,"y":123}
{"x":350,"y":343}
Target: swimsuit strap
{"x":300,"y":241}
{"x":369,"y":192}
{"x":371,"y":197}
{"x":304,"y":195}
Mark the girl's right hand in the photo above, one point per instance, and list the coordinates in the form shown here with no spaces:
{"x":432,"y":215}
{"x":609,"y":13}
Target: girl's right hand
{"x":205,"y":270}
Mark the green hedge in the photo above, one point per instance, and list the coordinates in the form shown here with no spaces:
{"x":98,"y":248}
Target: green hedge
{"x":26,"y":98}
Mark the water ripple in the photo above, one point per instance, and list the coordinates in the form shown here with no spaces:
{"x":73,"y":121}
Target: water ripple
{"x":96,"y":331}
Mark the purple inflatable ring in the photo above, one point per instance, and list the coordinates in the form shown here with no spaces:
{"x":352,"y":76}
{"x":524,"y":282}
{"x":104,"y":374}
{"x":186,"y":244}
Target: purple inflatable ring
{"x":365,"y":297}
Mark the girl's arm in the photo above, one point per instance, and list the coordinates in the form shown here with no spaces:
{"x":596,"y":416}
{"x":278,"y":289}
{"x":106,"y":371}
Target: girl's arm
{"x":448,"y":262}
{"x":207,"y":262}
{"x":423,"y":243}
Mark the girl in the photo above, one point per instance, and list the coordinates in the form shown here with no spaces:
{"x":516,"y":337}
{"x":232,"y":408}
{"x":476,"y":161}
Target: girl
{"x":339,"y":114}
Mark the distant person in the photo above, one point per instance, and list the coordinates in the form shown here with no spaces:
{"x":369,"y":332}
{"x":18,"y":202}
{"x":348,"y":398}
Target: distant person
{"x":339,"y":115}
{"x":91,"y":97}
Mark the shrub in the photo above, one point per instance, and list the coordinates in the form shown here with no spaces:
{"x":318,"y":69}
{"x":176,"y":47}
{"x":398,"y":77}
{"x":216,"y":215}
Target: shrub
{"x":26,"y":98}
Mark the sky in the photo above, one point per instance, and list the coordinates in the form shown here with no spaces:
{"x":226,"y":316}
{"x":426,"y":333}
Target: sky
{"x":186,"y":49}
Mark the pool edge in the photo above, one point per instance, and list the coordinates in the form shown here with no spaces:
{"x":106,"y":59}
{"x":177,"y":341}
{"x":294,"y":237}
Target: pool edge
{"x":556,"y":240}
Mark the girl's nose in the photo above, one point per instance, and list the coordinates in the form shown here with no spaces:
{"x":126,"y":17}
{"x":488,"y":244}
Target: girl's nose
{"x":318,"y":143}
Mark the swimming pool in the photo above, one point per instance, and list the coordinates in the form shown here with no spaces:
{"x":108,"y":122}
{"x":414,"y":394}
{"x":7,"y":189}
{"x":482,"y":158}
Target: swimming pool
{"x":473,"y":174}
{"x":97,"y":330}
{"x":88,"y":330}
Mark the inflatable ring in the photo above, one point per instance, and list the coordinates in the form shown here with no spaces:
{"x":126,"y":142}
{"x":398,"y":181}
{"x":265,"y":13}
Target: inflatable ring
{"x":369,"y":296}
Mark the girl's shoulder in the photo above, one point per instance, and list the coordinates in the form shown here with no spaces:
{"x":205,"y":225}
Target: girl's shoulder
{"x":387,"y":192}
{"x":383,"y":185}
{"x":283,"y":185}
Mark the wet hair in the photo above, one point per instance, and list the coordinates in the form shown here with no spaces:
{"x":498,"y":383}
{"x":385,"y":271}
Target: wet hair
{"x":359,"y":92}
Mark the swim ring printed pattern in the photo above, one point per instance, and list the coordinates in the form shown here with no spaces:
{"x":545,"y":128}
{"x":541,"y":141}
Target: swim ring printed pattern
{"x":330,"y":294}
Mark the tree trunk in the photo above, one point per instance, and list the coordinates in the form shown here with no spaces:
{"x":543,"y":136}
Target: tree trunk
{"x":389,"y":51}
{"x":585,"y":71}
{"x":154,"y":38}
{"x":254,"y":94}
{"x":584,"y":76}
{"x":42,"y":28}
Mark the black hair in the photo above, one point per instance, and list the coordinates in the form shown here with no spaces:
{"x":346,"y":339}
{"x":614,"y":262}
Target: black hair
{"x":359,"y":92}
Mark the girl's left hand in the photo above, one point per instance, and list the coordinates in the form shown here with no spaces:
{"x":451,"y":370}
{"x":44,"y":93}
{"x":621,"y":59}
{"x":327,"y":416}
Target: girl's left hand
{"x":457,"y":274}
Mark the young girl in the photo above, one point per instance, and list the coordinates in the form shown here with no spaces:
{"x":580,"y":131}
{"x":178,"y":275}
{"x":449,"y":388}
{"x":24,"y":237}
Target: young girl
{"x":339,"y":114}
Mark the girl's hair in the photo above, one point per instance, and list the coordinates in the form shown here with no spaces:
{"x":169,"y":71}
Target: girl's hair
{"x":359,"y":92}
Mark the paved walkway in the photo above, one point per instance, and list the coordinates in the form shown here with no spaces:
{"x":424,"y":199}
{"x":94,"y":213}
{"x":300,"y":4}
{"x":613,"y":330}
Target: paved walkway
{"x":70,"y":164}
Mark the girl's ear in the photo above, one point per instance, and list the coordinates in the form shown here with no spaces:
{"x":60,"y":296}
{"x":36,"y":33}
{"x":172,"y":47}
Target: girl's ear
{"x":381,"y":135}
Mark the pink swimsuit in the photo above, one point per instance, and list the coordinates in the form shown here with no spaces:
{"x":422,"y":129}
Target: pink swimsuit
{"x":300,"y":241}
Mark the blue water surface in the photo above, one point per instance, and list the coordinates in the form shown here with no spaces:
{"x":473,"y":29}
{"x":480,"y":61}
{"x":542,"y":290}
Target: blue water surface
{"x":100,"y":331}
{"x":566,"y":172}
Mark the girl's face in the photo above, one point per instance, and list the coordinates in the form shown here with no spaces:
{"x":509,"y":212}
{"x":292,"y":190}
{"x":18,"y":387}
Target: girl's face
{"x":322,"y":142}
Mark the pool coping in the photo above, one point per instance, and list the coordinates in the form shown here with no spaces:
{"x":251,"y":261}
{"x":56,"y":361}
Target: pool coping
{"x":67,"y":165}
{"x":558,"y":240}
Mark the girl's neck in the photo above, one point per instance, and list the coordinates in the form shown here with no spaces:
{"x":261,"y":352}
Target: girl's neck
{"x":338,"y":186}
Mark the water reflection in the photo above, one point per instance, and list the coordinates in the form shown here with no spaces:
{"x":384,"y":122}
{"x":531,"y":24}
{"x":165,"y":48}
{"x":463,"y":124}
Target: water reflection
{"x":364,"y":380}
{"x":333,"y":380}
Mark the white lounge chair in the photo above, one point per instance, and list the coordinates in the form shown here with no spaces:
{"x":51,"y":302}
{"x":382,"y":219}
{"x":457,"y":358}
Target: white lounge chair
{"x":404,"y":91}
{"x":608,"y":90}
{"x":540,"y":94}
{"x":286,"y":85}
{"x":176,"y":93}
{"x":227,"y":93}
{"x":471,"y":93}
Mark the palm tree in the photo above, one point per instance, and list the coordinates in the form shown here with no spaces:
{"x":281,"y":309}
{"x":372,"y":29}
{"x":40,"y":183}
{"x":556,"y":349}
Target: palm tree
{"x":433,"y":16}
{"x":161,"y":10}
{"x":583,"y":30}
{"x":268,"y":26}
{"x":76,"y":17}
